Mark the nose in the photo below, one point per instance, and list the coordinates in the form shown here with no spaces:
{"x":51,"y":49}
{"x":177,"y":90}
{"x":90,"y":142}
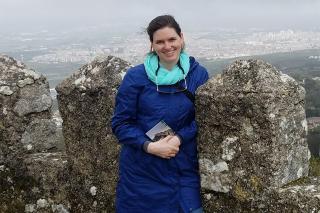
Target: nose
{"x":167,"y":45}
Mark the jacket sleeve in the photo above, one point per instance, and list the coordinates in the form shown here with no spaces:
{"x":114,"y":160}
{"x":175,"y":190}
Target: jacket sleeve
{"x":187,"y":133}
{"x":123,"y":123}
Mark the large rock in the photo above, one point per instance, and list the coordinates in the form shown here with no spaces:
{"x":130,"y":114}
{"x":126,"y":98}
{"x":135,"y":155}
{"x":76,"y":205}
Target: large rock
{"x":252,"y":130}
{"x":86,"y":101}
{"x":303,"y":197}
{"x":26,"y":128}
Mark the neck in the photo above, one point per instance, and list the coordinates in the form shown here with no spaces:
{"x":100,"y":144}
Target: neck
{"x":169,"y":66}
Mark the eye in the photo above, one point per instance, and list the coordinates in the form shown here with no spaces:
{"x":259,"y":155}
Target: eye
{"x":172,"y":39}
{"x":159,"y":42}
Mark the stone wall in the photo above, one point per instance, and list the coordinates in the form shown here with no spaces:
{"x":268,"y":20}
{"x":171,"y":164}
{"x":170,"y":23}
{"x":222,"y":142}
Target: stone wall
{"x":252,"y":141}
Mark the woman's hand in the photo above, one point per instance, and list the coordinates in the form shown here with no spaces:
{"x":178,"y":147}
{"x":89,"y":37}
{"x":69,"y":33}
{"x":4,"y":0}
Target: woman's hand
{"x":162,"y":148}
{"x":175,"y":140}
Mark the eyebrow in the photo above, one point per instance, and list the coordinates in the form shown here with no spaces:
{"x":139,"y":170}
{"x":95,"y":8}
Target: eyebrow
{"x":173,"y":37}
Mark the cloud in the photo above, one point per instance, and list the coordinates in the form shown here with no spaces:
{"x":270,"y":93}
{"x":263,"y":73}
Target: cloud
{"x":22,"y":14}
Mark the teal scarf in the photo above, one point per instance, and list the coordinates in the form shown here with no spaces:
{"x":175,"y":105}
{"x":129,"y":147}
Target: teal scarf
{"x":166,"y":77}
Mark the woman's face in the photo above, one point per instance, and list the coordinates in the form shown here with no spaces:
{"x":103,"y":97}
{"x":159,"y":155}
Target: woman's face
{"x":167,"y":44}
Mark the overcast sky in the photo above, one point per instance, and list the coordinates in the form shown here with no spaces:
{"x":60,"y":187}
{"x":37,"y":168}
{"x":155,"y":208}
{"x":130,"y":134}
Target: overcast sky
{"x":31,"y":15}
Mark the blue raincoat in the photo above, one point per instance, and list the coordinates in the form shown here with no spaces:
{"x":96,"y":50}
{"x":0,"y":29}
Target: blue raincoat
{"x":148,"y":183}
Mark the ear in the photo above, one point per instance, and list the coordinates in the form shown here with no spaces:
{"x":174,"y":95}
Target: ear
{"x":181,"y":36}
{"x":183,"y":44}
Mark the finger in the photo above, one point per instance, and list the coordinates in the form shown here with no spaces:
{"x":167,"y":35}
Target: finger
{"x":175,"y":149}
{"x":166,"y":156}
{"x":168,"y":137}
{"x":172,"y":153}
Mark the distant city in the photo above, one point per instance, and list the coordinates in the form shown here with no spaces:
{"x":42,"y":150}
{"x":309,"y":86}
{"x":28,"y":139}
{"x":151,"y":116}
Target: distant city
{"x":82,"y":47}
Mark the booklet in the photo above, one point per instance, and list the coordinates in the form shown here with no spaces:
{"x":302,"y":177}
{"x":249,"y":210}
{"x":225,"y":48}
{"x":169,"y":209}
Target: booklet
{"x":159,"y":131}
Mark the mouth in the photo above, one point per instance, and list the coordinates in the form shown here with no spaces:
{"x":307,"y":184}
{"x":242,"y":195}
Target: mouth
{"x":170,"y":53}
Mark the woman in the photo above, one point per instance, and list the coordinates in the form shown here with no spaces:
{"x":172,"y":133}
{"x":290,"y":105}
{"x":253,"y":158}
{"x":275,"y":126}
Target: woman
{"x":160,"y":176}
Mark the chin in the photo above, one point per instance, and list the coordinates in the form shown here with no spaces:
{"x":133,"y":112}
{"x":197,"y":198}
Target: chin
{"x":171,"y":58}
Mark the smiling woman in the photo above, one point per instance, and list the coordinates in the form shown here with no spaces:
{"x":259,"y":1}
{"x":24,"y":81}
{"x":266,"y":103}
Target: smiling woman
{"x":159,"y":175}
{"x":167,"y":44}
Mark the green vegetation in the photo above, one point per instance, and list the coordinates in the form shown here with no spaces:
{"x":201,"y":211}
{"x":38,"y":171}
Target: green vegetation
{"x":315,"y":130}
{"x":312,"y":97}
{"x":313,"y":139}
{"x":314,"y":166}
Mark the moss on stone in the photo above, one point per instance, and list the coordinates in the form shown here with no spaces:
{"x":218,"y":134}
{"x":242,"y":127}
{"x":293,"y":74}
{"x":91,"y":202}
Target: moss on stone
{"x":297,"y":182}
{"x":256,"y":183}
{"x":13,"y":205}
{"x":314,"y":166}
{"x":314,"y":170}
{"x":1,"y":131}
{"x":1,"y":125}
{"x":15,"y":192}
{"x":240,"y":193}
